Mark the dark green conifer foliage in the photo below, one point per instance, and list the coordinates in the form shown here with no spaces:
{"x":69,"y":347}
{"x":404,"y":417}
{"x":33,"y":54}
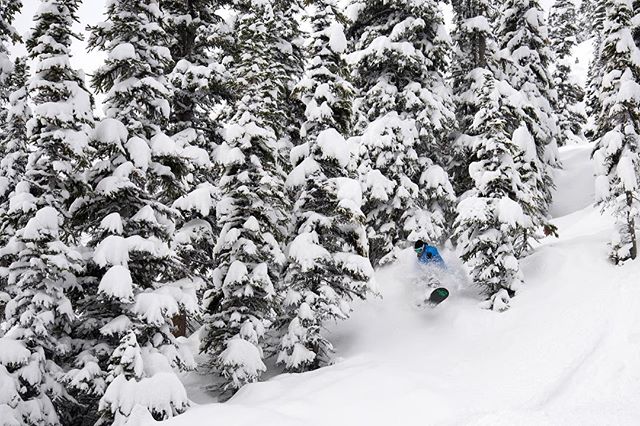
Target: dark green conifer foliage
{"x":563,"y":24}
{"x":406,"y":118}
{"x":328,"y":257}
{"x":617,"y":141}
{"x":43,"y":266}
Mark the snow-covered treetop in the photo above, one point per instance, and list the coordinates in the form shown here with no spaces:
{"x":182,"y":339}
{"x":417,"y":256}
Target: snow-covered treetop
{"x":324,"y":89}
{"x":62,"y":116}
{"x":8,"y":34}
{"x":133,"y":74}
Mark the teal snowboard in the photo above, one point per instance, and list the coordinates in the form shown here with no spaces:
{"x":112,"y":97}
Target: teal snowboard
{"x":437,"y":296}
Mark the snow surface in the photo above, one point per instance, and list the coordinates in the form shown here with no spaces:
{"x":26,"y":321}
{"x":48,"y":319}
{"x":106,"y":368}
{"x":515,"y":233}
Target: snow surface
{"x":566,"y":353}
{"x":576,"y":180}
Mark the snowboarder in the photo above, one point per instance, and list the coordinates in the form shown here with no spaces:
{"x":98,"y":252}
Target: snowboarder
{"x":429,"y":256}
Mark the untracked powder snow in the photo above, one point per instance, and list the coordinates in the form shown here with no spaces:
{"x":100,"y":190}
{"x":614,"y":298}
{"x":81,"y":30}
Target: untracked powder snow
{"x":566,"y":353}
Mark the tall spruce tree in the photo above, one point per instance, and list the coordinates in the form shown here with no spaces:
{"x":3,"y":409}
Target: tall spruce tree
{"x":563,"y":24}
{"x":524,"y":60}
{"x":328,"y":258}
{"x":137,"y":282}
{"x":45,"y":268}
{"x":475,"y":46}
{"x":490,"y":217}
{"x":198,"y":40}
{"x":618,"y":144}
{"x":13,"y":408}
{"x":593,"y":17}
{"x":253,"y":211}
{"x":14,"y":152}
{"x":12,"y":125}
{"x":8,"y":36}
{"x":407,"y":116}
{"x":287,"y":60}
{"x":491,"y":145}
{"x":199,"y":43}
{"x":290,"y":53}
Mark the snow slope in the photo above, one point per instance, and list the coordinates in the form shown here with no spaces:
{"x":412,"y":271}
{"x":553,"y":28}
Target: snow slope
{"x":566,"y":353}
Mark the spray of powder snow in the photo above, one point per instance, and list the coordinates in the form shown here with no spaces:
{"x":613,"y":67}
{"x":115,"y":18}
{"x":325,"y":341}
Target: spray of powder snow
{"x":420,"y":280}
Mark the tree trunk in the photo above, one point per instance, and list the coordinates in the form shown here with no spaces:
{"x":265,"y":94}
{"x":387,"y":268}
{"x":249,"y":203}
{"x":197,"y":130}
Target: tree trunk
{"x":631,"y":223}
{"x":180,"y":325}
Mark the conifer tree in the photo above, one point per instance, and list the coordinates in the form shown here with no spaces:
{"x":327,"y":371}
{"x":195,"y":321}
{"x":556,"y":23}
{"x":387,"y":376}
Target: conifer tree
{"x":13,"y":117}
{"x":290,"y":53}
{"x":523,"y":62}
{"x":407,"y":116}
{"x":199,"y":41}
{"x":563,"y":24}
{"x":328,"y":259}
{"x":475,"y":45}
{"x":618,"y":144}
{"x":253,"y":209}
{"x":8,"y":36}
{"x":490,"y":217}
{"x":286,"y":57}
{"x":591,"y":19}
{"x":593,"y":15}
{"x":14,"y":152}
{"x":45,"y":268}
{"x":137,"y":282}
{"x":14,"y":410}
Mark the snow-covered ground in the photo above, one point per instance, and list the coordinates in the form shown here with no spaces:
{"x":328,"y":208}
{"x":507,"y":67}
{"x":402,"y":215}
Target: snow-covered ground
{"x":566,"y":353}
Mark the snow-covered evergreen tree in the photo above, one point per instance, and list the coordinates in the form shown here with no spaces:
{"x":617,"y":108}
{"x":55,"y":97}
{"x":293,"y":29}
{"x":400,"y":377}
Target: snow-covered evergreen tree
{"x":618,"y":144}
{"x":44,"y":271}
{"x":196,"y":38}
{"x":286,"y":60}
{"x":253,"y":209}
{"x":590,"y":19}
{"x":563,"y":24}
{"x":475,"y":45}
{"x":14,"y":152}
{"x":490,"y":217}
{"x":593,"y":15}
{"x":14,"y":410}
{"x":8,"y":36}
{"x":328,"y":258}
{"x":407,"y":117}
{"x":199,"y":43}
{"x":524,"y":58}
{"x":137,"y":282}
{"x":289,"y":54}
